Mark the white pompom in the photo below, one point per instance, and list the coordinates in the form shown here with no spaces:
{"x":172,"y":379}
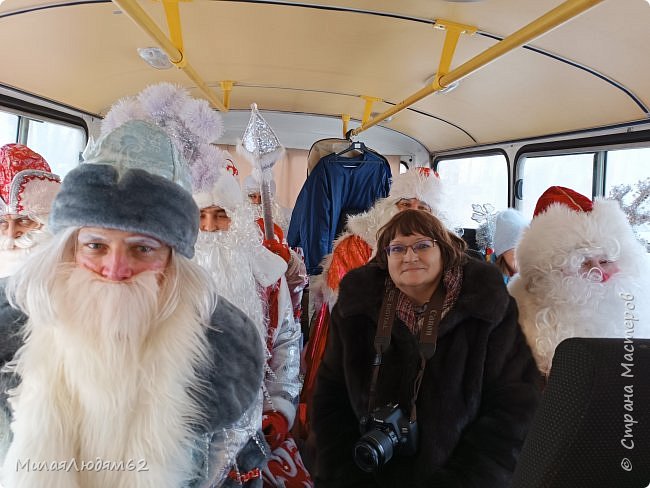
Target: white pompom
{"x":163,"y":100}
{"x":121,"y":112}
{"x":206,"y":167}
{"x":202,"y":120}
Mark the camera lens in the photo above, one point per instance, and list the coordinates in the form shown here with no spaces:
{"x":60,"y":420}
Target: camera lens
{"x":374,"y":449}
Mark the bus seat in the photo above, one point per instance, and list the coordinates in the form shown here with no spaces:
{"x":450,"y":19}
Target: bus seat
{"x":592,"y":427}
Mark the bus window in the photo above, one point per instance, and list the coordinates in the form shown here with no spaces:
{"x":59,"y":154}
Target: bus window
{"x":626,"y":167}
{"x":61,"y":145}
{"x":629,"y":167}
{"x":483,"y":179}
{"x":8,"y":128}
{"x":575,"y":171}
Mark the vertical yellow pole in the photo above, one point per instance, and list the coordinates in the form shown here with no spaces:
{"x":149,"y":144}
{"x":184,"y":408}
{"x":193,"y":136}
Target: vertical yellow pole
{"x":346,"y":120}
{"x":175,"y":55}
{"x":538,"y":27}
{"x":367,"y":110}
{"x":454,"y":31}
{"x":226,"y":87}
{"x":174,"y":23}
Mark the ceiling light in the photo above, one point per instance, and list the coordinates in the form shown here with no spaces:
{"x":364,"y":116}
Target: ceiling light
{"x":155,"y":57}
{"x":375,"y":114}
{"x":447,"y":89}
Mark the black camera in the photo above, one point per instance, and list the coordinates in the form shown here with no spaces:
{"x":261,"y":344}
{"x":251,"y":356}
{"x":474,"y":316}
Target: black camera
{"x":387,"y":431}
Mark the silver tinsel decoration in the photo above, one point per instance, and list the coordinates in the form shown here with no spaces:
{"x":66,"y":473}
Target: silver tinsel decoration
{"x":259,"y":143}
{"x":190,"y":123}
{"x":485,"y":215}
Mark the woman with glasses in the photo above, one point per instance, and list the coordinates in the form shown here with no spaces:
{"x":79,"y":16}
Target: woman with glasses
{"x":427,"y":380}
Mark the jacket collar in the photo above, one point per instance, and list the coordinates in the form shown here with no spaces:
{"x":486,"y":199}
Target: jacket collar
{"x":483,"y":294}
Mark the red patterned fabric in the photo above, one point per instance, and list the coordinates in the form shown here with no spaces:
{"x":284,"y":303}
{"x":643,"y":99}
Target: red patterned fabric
{"x":231,"y":168}
{"x":312,"y":356}
{"x":15,"y":158}
{"x":566,"y":196}
{"x":285,"y":468}
{"x":352,"y":252}
{"x":275,"y":427}
{"x":278,"y":248}
{"x":271,"y":295}
{"x":277,"y":230}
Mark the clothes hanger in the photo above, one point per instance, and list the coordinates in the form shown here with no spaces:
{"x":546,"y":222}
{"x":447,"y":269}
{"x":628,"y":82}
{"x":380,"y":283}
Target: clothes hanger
{"x":354,"y":146}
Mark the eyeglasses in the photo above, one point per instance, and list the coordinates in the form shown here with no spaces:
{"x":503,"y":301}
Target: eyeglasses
{"x":398,"y":250}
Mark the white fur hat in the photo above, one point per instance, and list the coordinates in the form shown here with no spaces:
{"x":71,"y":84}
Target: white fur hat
{"x":421,"y":183}
{"x":556,"y":236}
{"x":225,"y":192}
{"x":252,"y":184}
{"x":507,"y":230}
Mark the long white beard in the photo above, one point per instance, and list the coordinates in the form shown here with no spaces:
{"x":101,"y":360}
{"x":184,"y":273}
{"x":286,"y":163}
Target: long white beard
{"x":12,"y":260}
{"x":559,"y":307}
{"x":229,"y":261}
{"x":14,"y":252}
{"x":106,"y":379}
{"x":280,"y":216}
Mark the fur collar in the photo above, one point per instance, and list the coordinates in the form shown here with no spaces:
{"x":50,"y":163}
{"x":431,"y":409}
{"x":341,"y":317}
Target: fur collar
{"x":483,"y":294}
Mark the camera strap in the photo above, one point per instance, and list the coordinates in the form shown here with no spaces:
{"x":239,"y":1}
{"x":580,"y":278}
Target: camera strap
{"x":428,"y":322}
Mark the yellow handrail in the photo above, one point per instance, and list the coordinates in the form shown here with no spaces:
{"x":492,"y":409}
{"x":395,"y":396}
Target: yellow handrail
{"x":140,"y":17}
{"x":226,"y":88}
{"x":174,"y":23}
{"x":346,"y":120}
{"x":545,"y":23}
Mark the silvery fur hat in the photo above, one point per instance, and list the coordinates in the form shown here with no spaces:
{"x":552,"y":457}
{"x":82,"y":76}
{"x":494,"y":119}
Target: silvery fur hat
{"x":129,"y":184}
{"x":136,"y":177}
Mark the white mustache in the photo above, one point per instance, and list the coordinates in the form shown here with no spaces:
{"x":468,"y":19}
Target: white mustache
{"x":26,"y":241}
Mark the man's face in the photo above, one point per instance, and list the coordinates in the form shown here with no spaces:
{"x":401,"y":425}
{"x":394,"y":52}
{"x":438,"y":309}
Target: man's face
{"x":598,"y":268}
{"x":14,"y":226}
{"x":255,"y":197}
{"x":116,"y":255}
{"x":213,"y":219}
{"x":412,"y":203}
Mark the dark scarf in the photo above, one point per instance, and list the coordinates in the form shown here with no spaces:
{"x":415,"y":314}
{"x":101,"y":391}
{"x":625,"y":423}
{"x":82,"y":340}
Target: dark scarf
{"x":412,"y":315}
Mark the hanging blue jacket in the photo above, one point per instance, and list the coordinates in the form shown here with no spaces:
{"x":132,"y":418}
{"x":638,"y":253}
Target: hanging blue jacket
{"x":337,"y":186}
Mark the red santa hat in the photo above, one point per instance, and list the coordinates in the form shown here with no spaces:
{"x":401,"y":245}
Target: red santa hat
{"x":27,"y":186}
{"x":560,"y":195}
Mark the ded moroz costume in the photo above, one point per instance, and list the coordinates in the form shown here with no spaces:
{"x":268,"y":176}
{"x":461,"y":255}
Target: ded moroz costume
{"x":581,"y":270}
{"x":169,"y":391}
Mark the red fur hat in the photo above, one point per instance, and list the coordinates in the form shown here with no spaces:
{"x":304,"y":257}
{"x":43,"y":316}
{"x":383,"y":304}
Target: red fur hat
{"x":15,"y":158}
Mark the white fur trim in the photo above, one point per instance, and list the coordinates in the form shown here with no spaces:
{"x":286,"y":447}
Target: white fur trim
{"x":555,"y":301}
{"x":267,"y":266}
{"x":415,"y":184}
{"x":225,"y":193}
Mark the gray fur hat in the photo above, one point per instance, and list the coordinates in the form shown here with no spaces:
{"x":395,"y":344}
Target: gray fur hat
{"x":131,"y":182}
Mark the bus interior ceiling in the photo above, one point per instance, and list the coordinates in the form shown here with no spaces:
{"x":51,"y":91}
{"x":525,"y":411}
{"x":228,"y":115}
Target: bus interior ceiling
{"x":308,"y":64}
